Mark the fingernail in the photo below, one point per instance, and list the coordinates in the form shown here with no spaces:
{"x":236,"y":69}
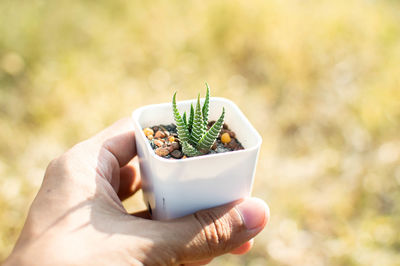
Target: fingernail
{"x":254,"y":212}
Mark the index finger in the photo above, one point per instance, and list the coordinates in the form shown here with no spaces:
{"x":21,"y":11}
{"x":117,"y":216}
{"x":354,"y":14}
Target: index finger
{"x":119,"y":139}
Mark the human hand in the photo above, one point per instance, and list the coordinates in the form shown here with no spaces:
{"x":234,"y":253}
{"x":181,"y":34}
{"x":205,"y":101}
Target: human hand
{"x":77,"y":216}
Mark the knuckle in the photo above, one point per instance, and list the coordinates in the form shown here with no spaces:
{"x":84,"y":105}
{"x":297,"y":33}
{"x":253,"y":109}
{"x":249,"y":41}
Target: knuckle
{"x":216,"y":230}
{"x":57,"y":164}
{"x":53,"y":166}
{"x":61,"y":167}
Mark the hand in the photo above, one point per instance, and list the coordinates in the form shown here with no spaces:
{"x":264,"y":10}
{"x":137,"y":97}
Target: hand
{"x":77,"y":216}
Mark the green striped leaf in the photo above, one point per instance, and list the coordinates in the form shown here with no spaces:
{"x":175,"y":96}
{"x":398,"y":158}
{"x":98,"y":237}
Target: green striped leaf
{"x":211,"y":135}
{"x":197,"y":129}
{"x":189,"y":150}
{"x":181,"y":127}
{"x":206,"y":106}
{"x":191,"y":117}
{"x":184,"y":118}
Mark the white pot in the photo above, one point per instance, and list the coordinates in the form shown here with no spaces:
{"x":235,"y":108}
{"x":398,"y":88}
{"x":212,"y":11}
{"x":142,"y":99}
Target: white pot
{"x":174,"y":188}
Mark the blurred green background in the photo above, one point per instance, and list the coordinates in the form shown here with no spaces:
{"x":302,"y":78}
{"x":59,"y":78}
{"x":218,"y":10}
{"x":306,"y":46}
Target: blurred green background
{"x":320,"y":80}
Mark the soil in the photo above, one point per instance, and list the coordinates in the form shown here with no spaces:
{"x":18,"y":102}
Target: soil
{"x":165,"y":142}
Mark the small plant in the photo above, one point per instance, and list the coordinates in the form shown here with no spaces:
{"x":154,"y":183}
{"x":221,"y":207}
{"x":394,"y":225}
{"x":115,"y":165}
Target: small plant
{"x":193,"y":134}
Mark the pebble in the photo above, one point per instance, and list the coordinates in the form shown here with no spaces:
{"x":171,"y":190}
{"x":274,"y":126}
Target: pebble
{"x":171,"y":139}
{"x":231,"y":133}
{"x":159,"y":134}
{"x":214,"y":146}
{"x":148,"y":131}
{"x":177,"y":154}
{"x":233,"y":144}
{"x":225,"y":138}
{"x":174,"y":146}
{"x":162,"y":152}
{"x":158,"y":142}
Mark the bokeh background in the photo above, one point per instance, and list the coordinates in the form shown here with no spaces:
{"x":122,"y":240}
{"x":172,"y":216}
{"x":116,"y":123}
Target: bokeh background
{"x":320,"y":80}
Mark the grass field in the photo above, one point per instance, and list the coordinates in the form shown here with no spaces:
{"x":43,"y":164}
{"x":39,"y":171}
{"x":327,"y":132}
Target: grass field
{"x":320,"y":80}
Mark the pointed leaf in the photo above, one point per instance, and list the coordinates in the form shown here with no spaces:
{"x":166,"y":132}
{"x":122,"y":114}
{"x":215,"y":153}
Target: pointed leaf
{"x":211,"y":135}
{"x":184,"y":118}
{"x":197,"y":129}
{"x":181,"y":127}
{"x":189,"y":150}
{"x":205,"y":108}
{"x":191,"y":117}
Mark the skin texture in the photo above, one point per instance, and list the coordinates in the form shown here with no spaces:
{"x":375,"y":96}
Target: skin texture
{"x":77,"y":217}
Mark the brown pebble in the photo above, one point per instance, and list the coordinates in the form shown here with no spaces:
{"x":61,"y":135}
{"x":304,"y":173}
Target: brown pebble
{"x":177,"y":154}
{"x":162,"y":152}
{"x":214,"y":146}
{"x":211,"y":123}
{"x":204,"y":151}
{"x":174,"y":146}
{"x":233,"y":144}
{"x":159,"y":134}
{"x":224,"y":131}
{"x":156,"y":128}
{"x":158,"y":142}
{"x":239,"y":147}
{"x":225,"y":126}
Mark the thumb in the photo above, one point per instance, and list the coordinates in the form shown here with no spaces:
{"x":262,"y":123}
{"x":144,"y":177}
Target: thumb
{"x":212,"y":232}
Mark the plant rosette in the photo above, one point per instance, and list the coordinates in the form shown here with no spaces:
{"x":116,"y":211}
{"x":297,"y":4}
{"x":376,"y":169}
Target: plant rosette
{"x":174,"y":188}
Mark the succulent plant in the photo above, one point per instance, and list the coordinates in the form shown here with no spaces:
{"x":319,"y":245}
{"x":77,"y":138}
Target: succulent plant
{"x":193,"y":134}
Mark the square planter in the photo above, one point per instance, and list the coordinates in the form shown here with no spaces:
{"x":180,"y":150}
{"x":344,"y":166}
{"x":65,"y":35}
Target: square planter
{"x":175,"y":188}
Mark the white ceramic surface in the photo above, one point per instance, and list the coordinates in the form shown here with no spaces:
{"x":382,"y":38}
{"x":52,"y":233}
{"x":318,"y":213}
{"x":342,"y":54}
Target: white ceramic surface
{"x":174,"y":188}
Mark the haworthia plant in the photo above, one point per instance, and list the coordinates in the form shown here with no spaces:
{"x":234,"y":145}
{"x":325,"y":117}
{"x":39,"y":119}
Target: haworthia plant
{"x":193,"y":134}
